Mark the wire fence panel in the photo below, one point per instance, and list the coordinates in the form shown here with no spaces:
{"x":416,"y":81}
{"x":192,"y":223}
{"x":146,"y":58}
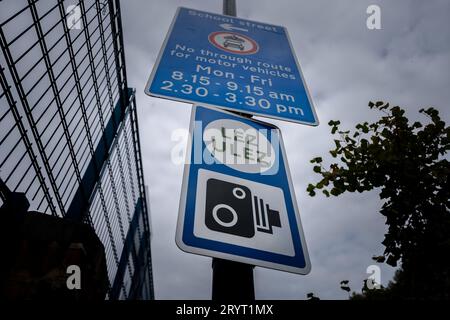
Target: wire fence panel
{"x":68,"y":127}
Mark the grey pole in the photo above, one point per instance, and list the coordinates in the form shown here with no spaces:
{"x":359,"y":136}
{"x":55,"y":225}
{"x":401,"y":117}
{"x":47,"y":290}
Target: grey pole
{"x":232,"y":280}
{"x":229,"y":7}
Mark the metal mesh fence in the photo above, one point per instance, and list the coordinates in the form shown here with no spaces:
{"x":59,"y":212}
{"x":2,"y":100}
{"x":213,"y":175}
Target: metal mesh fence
{"x":68,"y":127}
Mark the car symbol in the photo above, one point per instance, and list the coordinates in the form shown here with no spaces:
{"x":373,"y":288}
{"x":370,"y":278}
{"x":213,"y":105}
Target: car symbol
{"x":234,"y":41}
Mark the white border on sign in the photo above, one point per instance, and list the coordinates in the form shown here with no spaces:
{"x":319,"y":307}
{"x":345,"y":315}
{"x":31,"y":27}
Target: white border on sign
{"x":163,"y":48}
{"x":216,"y":254}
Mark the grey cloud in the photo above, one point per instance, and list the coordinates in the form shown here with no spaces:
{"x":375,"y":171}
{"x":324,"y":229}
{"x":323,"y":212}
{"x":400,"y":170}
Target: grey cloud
{"x":345,"y":65}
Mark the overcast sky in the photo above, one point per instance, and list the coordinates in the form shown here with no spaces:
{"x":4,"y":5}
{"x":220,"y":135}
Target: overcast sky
{"x":345,"y":65}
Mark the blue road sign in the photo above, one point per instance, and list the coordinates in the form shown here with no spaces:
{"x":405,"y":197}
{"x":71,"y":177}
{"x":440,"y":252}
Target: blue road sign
{"x":237,"y":200}
{"x":232,"y":63}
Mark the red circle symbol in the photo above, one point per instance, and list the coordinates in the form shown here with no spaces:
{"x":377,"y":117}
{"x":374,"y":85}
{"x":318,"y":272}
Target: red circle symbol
{"x":233,"y":42}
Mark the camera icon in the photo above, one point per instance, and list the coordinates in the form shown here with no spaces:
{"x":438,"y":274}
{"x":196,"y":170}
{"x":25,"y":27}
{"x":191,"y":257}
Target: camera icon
{"x":232,"y":208}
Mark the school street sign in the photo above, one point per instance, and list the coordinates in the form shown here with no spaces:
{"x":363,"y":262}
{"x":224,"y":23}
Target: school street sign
{"x":237,"y":200}
{"x":231,"y":63}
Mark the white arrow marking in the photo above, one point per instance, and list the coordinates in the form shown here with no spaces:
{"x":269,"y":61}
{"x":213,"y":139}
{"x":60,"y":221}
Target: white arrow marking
{"x":230,"y":27}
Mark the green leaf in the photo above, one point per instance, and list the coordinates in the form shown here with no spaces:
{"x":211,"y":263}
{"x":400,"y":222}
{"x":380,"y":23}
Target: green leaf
{"x":345,"y":288}
{"x":392,"y":260}
{"x":364,"y":127}
{"x":385,"y":106}
{"x":379,"y":259}
{"x":311,"y":297}
{"x":335,"y":192}
{"x":416,"y":125}
{"x":316,"y":160}
{"x":310,"y":190}
{"x":337,"y":143}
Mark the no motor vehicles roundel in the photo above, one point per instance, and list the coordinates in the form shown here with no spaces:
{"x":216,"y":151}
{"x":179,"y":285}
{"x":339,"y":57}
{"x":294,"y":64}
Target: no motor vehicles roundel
{"x":233,"y":42}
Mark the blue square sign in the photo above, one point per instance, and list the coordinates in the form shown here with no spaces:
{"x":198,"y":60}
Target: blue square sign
{"x":231,"y":63}
{"x":237,"y":200}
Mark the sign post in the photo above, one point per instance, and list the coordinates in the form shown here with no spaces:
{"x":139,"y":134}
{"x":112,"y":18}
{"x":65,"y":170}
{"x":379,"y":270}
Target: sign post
{"x":230,"y":278}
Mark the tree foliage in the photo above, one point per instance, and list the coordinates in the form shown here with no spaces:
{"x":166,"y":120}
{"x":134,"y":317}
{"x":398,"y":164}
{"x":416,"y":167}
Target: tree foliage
{"x":408,"y":164}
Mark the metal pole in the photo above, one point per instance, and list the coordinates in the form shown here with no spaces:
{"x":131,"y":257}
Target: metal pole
{"x":232,"y":280}
{"x":229,"y":7}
